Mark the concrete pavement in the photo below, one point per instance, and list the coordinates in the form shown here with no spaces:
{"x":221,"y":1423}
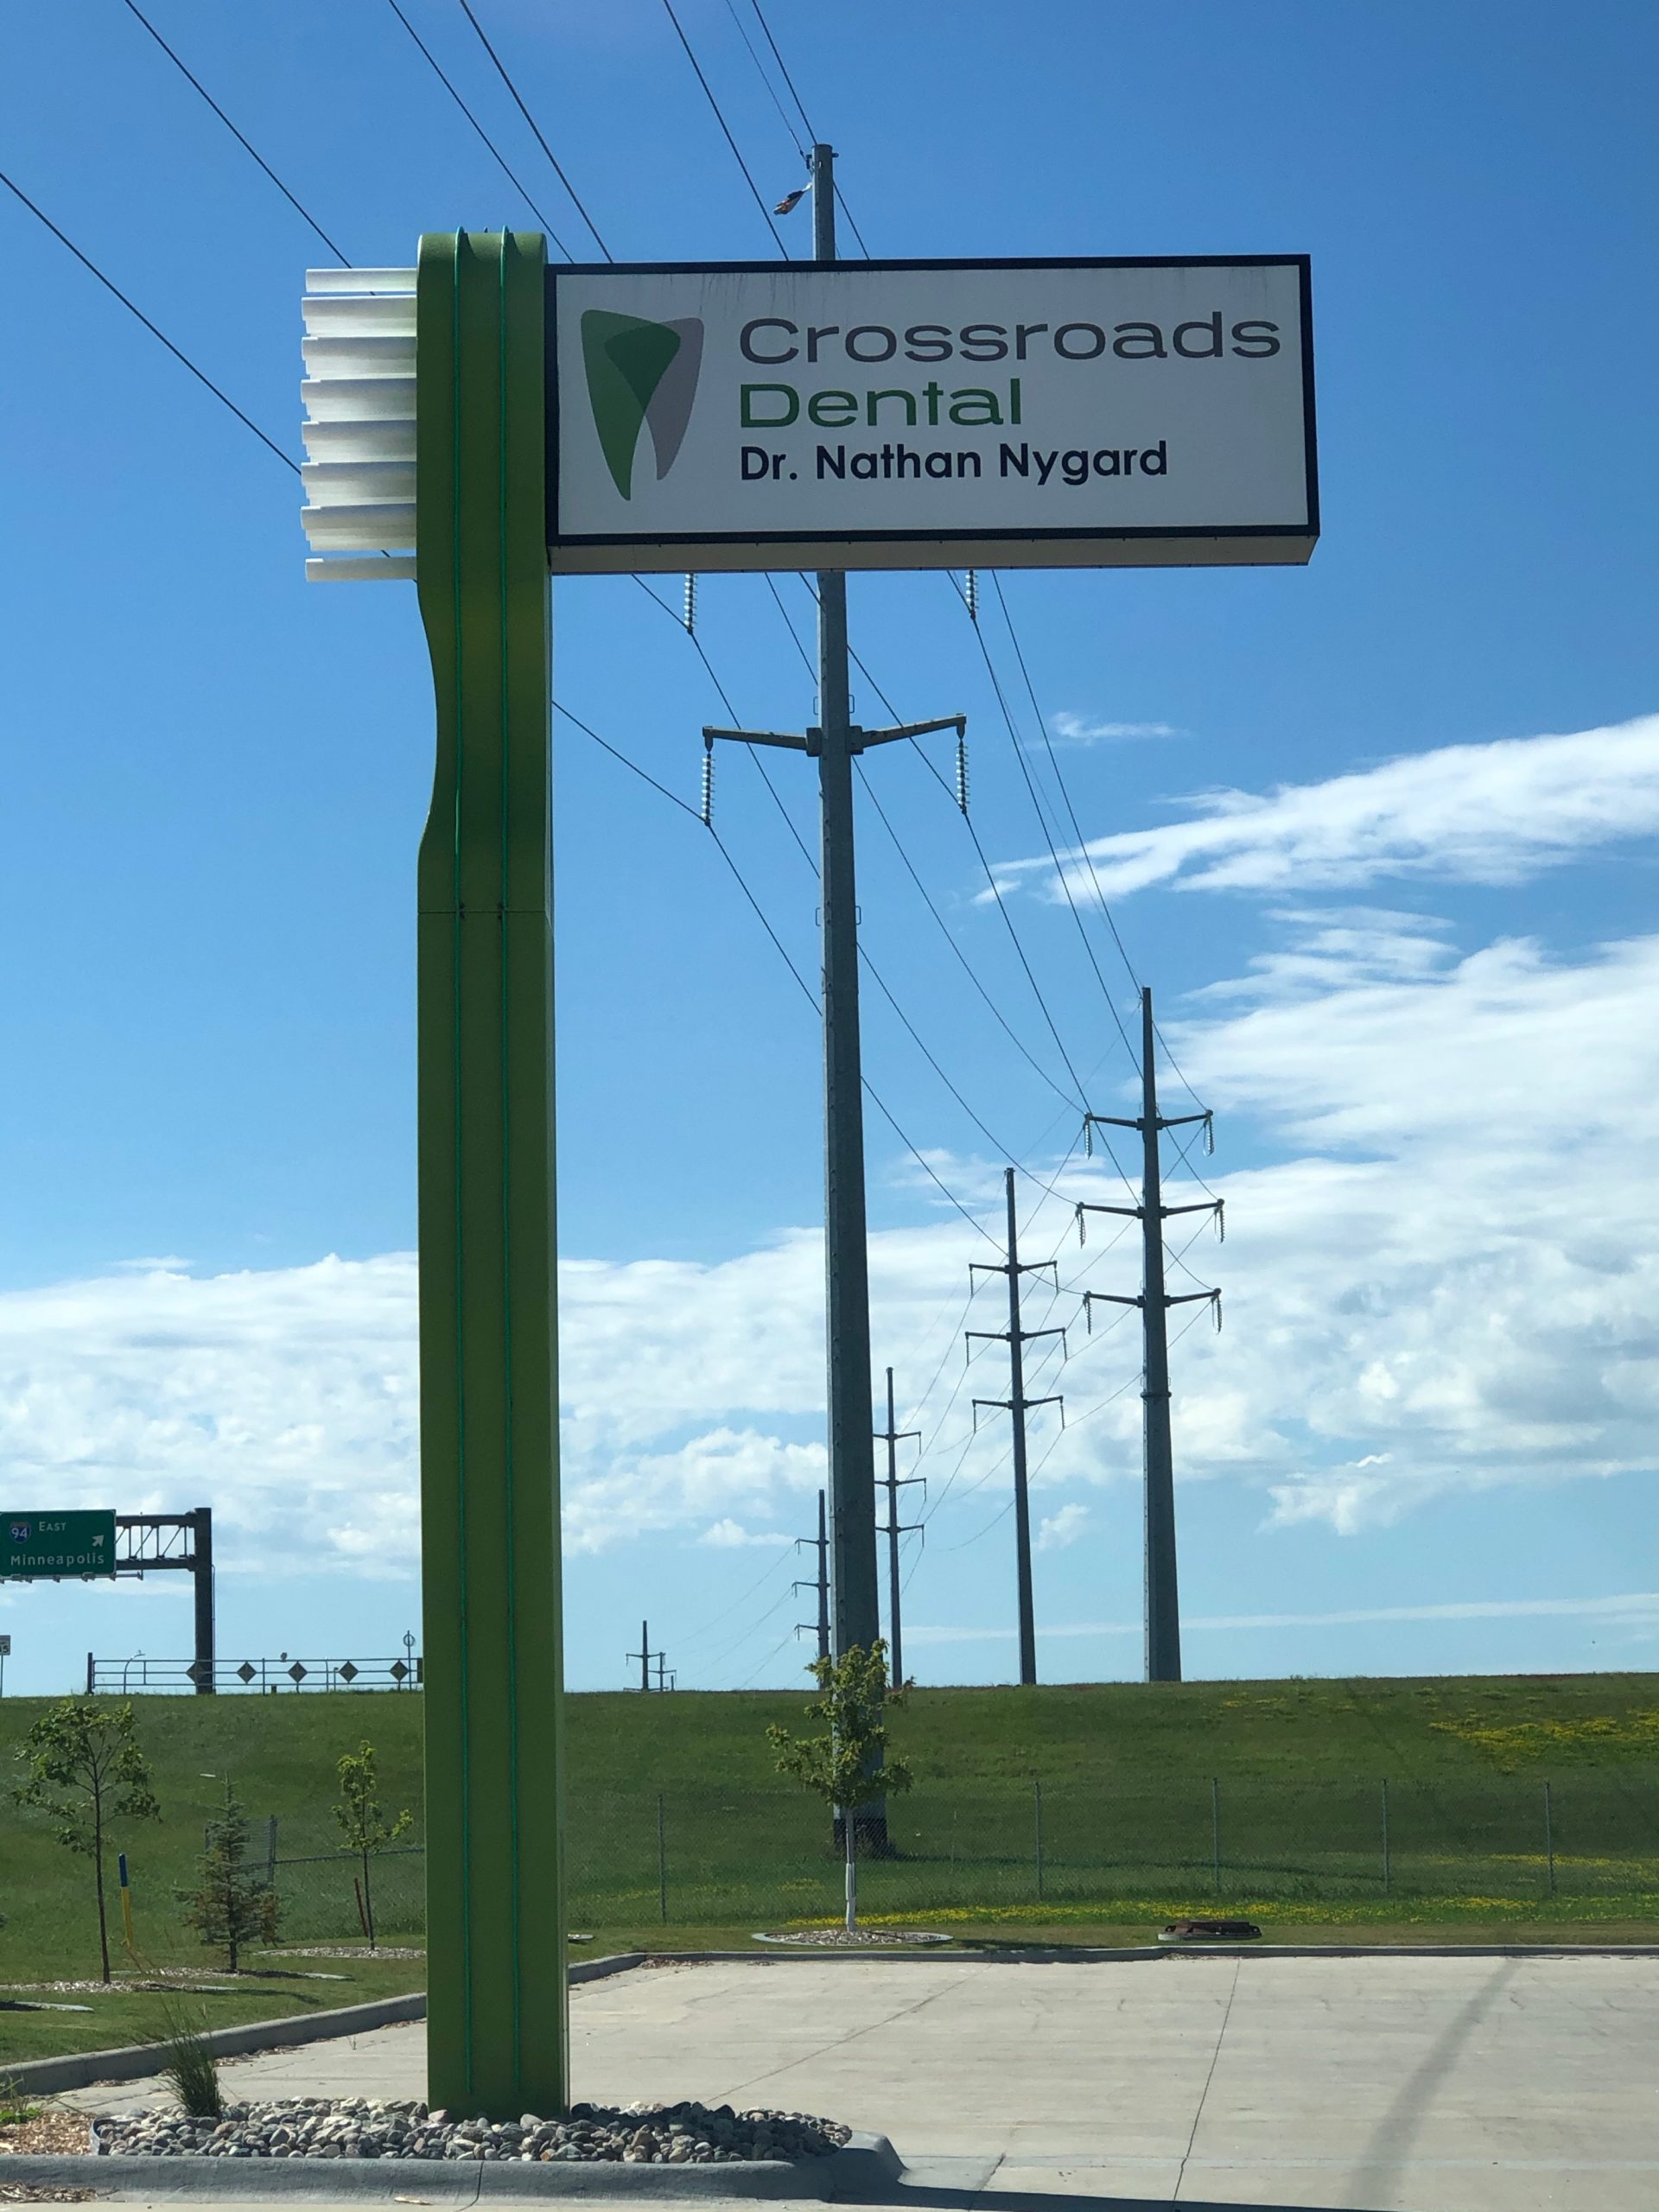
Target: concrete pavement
{"x":1369,"y":2084}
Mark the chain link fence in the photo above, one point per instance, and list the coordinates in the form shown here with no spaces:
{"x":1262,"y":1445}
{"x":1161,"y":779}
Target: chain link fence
{"x":1587,"y":1846}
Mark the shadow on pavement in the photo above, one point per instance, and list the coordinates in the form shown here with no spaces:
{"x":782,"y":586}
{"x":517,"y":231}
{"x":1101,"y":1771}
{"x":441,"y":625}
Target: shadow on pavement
{"x":925,"y":2198}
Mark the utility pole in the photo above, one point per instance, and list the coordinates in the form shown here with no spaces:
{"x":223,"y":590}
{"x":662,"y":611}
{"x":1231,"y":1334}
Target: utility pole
{"x":834,"y":744}
{"x":893,"y":1436}
{"x":820,"y":1581}
{"x":644,"y":1655}
{"x":665,"y":1681}
{"x":1016,"y":1337}
{"x":1162,"y":1593}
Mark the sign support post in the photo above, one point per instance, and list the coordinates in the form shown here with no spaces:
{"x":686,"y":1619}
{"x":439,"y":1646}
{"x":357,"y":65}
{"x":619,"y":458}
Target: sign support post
{"x":496,"y":2026}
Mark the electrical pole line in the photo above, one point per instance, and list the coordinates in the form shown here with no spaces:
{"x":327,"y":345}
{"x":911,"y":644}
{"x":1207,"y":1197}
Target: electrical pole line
{"x":893,"y":1482}
{"x":820,"y":1581}
{"x":646,"y":1656}
{"x":1163,"y":1610}
{"x":834,"y":743}
{"x":1017,"y":1338}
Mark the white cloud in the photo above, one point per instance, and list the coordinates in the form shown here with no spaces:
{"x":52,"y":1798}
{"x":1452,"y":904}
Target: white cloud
{"x":1495,"y":813}
{"x":1637,"y":1609}
{"x":1444,"y":1275}
{"x":1078,"y":729}
{"x":730,"y":1535}
{"x":1062,"y":1529}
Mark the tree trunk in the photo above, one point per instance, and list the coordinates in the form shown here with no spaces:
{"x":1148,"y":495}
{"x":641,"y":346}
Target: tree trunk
{"x":97,"y":1868}
{"x":368,"y":1900}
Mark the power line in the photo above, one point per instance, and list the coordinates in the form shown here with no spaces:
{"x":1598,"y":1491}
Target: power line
{"x":841,"y":197}
{"x":1042,"y":824}
{"x":805,"y":989}
{"x":1013,"y":1036}
{"x":501,"y":158}
{"x":766,"y":212}
{"x":713,"y":1621}
{"x":304,"y":214}
{"x":201,"y":375}
{"x":500,"y":67}
{"x":784,"y":69}
{"x":759,"y":67}
{"x":632,"y":766}
{"x":790,"y":824}
{"x":994,"y":888}
{"x":1053,"y":761}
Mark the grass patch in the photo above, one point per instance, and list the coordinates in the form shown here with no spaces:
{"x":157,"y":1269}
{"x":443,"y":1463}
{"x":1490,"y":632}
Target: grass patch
{"x":126,"y":2015}
{"x":682,"y":1835}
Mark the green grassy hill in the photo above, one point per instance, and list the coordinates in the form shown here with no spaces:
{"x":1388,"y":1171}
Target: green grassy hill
{"x":1083,"y":1809}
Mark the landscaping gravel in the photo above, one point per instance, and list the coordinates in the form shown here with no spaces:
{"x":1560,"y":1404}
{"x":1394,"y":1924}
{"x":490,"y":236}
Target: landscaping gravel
{"x":356,"y":2127}
{"x":853,"y":1939}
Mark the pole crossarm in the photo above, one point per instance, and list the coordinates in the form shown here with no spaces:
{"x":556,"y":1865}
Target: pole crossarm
{"x":811,"y":741}
{"x":1017,"y":1405}
{"x":1008,"y":1336}
{"x":1138,"y":1121}
{"x":790,"y":744}
{"x":1170,"y":1298}
{"x":863,"y":738}
{"x":1217,"y":1206}
{"x":1024,"y":1267}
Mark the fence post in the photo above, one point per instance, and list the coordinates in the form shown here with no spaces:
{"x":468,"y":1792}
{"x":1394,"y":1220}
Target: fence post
{"x":1037,"y":1789}
{"x":662,"y":1860}
{"x":1215,"y":1825}
{"x":1549,"y":1837}
{"x":1388,"y":1870}
{"x":271,"y":1852}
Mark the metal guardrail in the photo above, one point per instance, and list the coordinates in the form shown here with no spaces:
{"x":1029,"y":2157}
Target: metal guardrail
{"x":254,"y":1677}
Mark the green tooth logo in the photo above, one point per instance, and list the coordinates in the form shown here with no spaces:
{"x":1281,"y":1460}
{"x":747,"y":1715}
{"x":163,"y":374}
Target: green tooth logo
{"x":639,"y":375}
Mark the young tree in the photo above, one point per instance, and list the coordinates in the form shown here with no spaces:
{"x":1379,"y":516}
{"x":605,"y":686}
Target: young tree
{"x":848,"y":1766}
{"x":232,"y":1902}
{"x":85,"y":1771}
{"x":365,"y":1828}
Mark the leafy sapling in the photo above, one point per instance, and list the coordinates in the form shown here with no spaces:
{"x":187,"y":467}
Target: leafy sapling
{"x":848,"y":1766}
{"x":364,"y":1825}
{"x":86,"y":1772}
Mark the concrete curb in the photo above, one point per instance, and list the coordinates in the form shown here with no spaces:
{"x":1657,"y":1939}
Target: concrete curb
{"x":1044,"y":1955}
{"x":132,"y":2062}
{"x":866,"y":2162}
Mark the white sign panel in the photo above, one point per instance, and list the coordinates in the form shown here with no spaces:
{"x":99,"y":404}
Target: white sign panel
{"x":910,"y":414}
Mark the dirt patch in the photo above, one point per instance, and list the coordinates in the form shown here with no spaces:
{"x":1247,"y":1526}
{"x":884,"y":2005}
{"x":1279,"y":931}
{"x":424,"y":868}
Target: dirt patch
{"x":50,"y":2134}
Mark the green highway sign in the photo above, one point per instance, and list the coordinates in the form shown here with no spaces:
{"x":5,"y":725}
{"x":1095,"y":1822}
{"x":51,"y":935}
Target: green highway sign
{"x":40,"y":1544}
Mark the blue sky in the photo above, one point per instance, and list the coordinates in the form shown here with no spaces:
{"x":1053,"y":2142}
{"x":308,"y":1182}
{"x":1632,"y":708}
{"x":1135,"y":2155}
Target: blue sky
{"x":1415,"y":976}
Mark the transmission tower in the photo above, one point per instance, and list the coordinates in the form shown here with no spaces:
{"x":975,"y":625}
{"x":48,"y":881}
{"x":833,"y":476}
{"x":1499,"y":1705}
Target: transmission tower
{"x":1017,"y":1338}
{"x":1162,"y":1593}
{"x":647,"y":1657}
{"x":820,"y":1581}
{"x":893,"y":1482}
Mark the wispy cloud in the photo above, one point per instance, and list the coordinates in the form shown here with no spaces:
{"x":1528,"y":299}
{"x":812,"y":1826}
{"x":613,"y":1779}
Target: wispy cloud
{"x":1638,"y":1608}
{"x":1080,"y":729}
{"x":1495,"y":813}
